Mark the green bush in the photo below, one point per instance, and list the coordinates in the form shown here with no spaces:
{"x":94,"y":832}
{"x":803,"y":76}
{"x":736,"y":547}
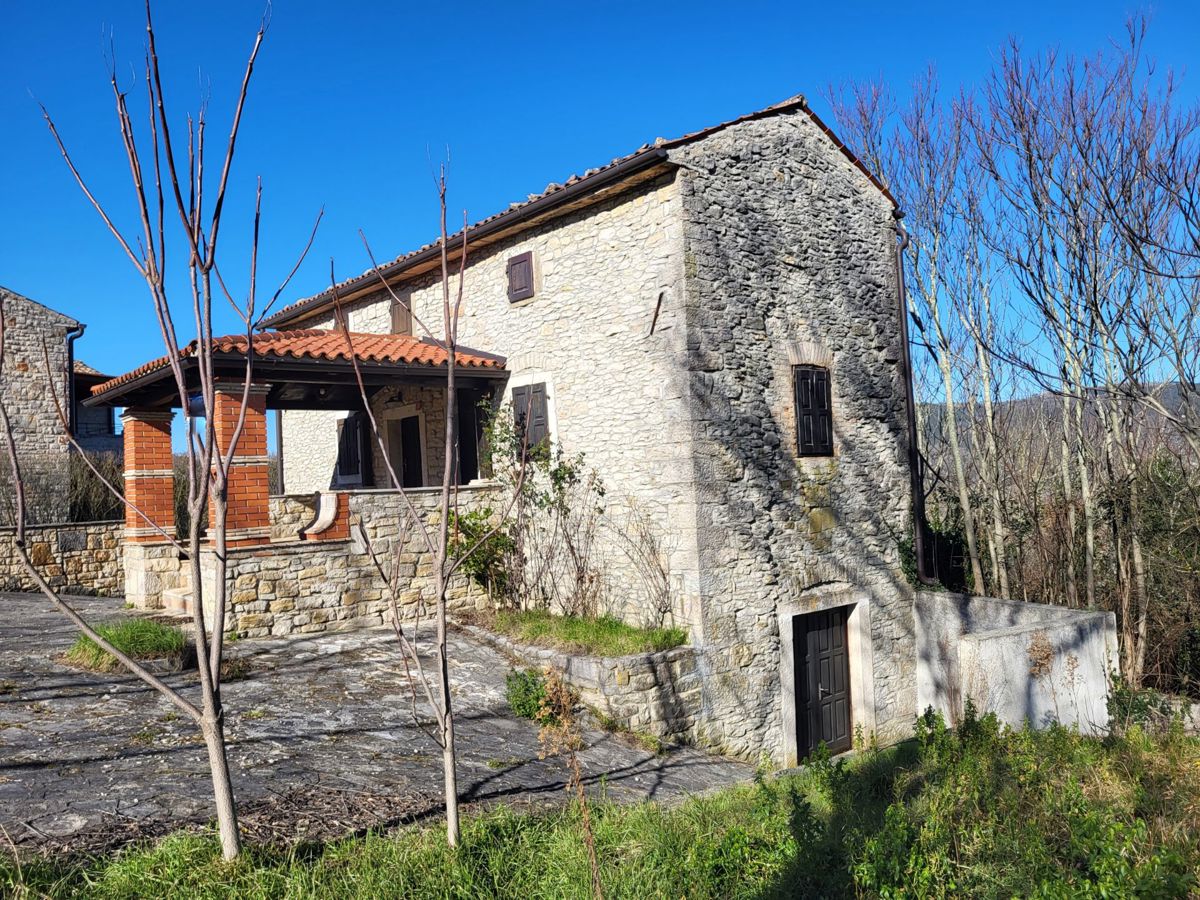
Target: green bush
{"x":526,"y":693}
{"x":139,"y":638}
{"x":476,"y":533}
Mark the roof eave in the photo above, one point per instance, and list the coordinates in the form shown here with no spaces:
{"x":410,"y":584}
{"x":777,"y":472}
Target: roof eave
{"x":265,"y":364}
{"x":542,"y":205}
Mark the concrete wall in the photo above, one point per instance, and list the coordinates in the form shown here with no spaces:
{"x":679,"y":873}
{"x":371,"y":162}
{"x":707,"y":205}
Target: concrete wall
{"x":789,"y":253}
{"x":1023,"y":661}
{"x":76,"y":558}
{"x":32,"y":332}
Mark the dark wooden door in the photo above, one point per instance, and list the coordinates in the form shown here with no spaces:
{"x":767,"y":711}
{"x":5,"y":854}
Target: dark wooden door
{"x":410,"y":441}
{"x":822,"y":680}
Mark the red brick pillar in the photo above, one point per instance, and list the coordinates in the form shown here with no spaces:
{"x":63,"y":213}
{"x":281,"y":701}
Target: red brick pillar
{"x":149,"y":475}
{"x":249,"y":518}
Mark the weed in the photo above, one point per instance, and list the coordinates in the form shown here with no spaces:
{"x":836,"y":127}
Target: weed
{"x":137,"y":638}
{"x":598,"y":636}
{"x":145,"y":737}
{"x":526,"y":693}
{"x":981,"y":811}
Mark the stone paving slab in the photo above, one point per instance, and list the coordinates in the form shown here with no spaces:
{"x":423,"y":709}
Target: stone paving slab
{"x":81,"y":752}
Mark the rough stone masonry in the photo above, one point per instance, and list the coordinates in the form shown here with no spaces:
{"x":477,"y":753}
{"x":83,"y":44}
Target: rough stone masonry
{"x":34,"y":334}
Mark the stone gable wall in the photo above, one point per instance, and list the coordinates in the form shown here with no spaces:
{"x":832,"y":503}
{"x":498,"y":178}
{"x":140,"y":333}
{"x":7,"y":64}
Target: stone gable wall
{"x":789,"y":253}
{"x":41,"y":446}
{"x":76,"y":558}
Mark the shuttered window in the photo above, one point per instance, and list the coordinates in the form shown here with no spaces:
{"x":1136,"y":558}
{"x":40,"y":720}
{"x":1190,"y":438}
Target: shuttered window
{"x":520,"y":277}
{"x":401,"y":317}
{"x":814,"y":410}
{"x":530,"y":416}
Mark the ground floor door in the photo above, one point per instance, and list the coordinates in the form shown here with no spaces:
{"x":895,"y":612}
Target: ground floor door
{"x":822,"y":680}
{"x":404,"y":450}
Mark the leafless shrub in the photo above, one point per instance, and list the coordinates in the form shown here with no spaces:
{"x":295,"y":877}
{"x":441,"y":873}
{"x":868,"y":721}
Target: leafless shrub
{"x":90,"y":498}
{"x":639,"y":540}
{"x":561,"y":735}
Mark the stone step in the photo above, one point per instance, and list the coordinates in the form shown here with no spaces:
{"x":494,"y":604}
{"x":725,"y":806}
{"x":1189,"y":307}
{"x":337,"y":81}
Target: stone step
{"x":177,"y":601}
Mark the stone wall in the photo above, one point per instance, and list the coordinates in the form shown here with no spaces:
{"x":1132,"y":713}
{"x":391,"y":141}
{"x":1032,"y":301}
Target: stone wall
{"x":76,"y":558}
{"x":652,"y":693}
{"x":789,"y":252}
{"x":289,"y":513}
{"x":32,"y":332}
{"x":1022,"y":661}
{"x":304,"y":586}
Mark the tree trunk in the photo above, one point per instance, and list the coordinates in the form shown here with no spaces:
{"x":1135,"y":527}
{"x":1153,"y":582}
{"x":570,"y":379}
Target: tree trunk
{"x":992,"y":457}
{"x":1072,"y":588}
{"x":227,"y":822}
{"x":960,"y":475}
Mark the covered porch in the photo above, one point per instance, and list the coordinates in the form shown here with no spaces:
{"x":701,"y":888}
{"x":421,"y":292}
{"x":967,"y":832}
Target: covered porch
{"x":312,"y":375}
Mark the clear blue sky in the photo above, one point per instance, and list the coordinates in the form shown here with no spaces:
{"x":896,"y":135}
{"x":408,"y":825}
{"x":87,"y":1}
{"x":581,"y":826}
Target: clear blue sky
{"x":352,"y":99}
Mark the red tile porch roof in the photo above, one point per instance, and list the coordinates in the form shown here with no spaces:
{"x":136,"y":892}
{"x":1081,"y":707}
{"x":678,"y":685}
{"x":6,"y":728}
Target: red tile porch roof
{"x":326,"y":344}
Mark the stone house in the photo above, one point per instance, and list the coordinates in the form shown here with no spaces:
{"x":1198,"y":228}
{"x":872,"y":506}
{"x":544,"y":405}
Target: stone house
{"x":712,"y":321}
{"x":715,"y":322}
{"x":34,"y":336}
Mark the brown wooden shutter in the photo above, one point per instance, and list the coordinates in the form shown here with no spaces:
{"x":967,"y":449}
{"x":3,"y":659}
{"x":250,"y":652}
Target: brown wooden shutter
{"x":814,"y":411}
{"x":539,"y":421}
{"x":520,"y":276}
{"x":401,"y":318}
{"x":530,"y":414}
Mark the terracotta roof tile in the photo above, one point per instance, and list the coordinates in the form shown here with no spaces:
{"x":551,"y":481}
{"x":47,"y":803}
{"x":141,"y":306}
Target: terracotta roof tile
{"x":796,"y":103}
{"x":327,"y":344}
{"x":82,"y":368}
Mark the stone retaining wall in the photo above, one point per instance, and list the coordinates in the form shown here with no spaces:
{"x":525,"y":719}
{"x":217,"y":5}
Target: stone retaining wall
{"x":292,"y":587}
{"x":76,"y":558}
{"x":651,"y":693}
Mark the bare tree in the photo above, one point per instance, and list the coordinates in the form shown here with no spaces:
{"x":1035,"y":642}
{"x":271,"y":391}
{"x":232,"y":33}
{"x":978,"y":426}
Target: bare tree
{"x":920,"y":151}
{"x":167,"y":186}
{"x":447,"y":551}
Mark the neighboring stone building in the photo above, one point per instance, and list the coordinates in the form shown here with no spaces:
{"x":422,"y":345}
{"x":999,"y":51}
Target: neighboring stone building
{"x":37,"y":336}
{"x":32,"y":330}
{"x":715,"y":323}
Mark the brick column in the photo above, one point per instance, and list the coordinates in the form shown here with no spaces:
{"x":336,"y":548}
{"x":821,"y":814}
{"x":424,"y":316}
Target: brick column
{"x":149,"y":474}
{"x":249,"y":517}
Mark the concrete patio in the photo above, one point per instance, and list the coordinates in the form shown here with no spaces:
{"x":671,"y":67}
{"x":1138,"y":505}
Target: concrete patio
{"x":322,"y":741}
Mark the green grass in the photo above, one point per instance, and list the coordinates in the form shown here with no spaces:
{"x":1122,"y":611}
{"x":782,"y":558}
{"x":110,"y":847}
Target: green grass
{"x":139,"y":638}
{"x":984,"y":812}
{"x":602,"y":636}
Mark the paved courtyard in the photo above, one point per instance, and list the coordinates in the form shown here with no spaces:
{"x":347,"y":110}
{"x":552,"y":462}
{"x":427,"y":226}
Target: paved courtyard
{"x":322,"y":741}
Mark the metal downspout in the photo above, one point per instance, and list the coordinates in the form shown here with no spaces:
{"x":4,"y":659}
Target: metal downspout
{"x":72,"y":336}
{"x":914,"y":454}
